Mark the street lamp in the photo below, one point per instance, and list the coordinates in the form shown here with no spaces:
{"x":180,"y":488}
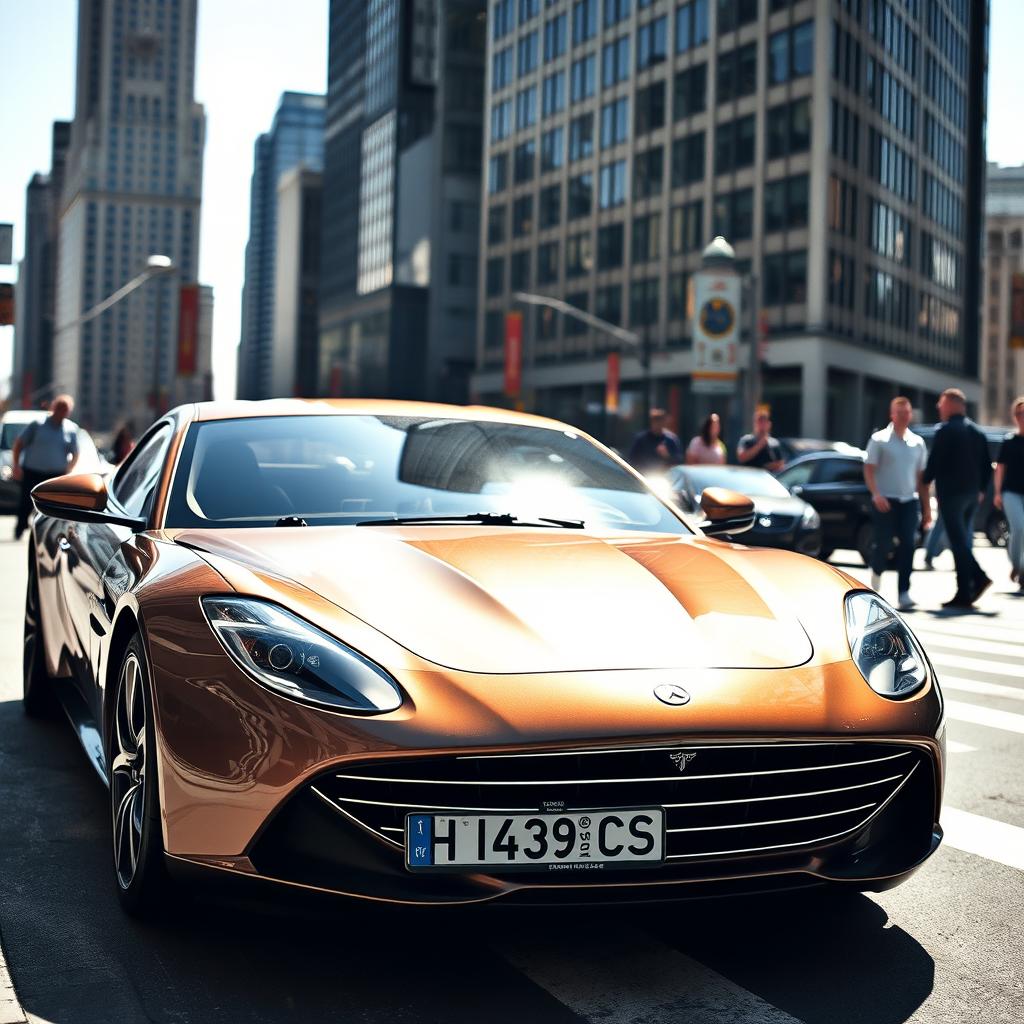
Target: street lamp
{"x":155,"y":266}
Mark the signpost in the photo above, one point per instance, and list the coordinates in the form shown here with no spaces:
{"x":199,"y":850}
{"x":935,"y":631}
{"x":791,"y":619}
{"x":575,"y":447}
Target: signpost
{"x":716,"y":329}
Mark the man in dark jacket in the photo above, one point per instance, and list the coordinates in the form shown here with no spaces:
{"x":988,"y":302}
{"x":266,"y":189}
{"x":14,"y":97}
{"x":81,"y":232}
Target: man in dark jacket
{"x":656,"y":448}
{"x":959,"y":465}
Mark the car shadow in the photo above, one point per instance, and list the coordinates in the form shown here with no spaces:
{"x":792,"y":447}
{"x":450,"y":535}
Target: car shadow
{"x":77,"y":959}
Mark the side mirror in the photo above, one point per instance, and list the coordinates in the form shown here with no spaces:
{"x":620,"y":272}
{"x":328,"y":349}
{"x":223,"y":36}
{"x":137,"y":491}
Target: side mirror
{"x":796,"y":490}
{"x":81,"y":498}
{"x":725,"y":512}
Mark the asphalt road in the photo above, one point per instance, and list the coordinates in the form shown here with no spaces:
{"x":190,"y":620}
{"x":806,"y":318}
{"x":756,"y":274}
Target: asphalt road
{"x":946,"y":946}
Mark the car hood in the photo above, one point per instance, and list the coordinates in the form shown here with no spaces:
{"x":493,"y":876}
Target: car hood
{"x":524,"y":600}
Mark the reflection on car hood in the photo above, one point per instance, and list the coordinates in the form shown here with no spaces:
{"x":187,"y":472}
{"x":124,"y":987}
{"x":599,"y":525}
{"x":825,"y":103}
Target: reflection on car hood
{"x":531,"y":600}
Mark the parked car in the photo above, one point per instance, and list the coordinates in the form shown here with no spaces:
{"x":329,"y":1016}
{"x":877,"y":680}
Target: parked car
{"x":781,"y":520}
{"x":794,"y":447}
{"x":12,"y":423}
{"x":989,"y":520}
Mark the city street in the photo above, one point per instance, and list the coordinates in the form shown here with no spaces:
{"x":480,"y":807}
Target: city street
{"x":946,"y":946}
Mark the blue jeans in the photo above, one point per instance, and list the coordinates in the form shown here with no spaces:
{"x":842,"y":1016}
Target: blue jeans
{"x":899,"y":523}
{"x":958,"y":517}
{"x":1013,"y":509}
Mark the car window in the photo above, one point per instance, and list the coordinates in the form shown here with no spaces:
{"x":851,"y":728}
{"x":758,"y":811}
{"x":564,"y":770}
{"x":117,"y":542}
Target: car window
{"x":796,"y":476}
{"x":840,"y":471}
{"x":137,"y":478}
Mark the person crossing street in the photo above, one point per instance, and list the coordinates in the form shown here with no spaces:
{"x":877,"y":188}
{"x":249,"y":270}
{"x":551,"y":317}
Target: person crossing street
{"x":894,"y":473}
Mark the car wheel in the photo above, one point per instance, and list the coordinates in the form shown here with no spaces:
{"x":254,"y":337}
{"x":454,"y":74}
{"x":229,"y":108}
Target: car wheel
{"x":864,"y":541}
{"x":997,"y":529}
{"x":139,"y":871}
{"x":38,"y":698}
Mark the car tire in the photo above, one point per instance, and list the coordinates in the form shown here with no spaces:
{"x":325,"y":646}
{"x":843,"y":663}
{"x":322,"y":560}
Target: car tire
{"x":140,"y":874}
{"x":997,"y":530}
{"x":863,"y":541}
{"x":38,"y":698}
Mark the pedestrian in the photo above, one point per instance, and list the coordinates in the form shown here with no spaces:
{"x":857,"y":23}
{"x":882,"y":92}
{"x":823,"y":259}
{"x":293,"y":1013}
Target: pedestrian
{"x":760,"y":448}
{"x":959,"y":465}
{"x":1009,"y":491}
{"x":43,"y":449}
{"x":937,"y":541}
{"x":656,"y":448}
{"x":124,"y":442}
{"x":707,"y":447}
{"x":894,"y":473}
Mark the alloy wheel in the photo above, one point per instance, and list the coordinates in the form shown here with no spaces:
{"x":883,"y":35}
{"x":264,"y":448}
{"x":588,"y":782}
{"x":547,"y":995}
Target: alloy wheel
{"x":128,"y":770}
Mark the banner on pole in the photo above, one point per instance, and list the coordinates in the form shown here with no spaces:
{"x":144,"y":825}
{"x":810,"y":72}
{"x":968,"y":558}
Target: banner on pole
{"x":188,"y":330}
{"x":716,"y":331}
{"x":6,"y":304}
{"x":513,"y":354}
{"x":611,"y":384}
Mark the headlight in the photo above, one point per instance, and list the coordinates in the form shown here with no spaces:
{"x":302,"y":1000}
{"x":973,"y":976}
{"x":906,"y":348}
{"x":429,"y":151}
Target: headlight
{"x":810,"y":520}
{"x":296,"y":659}
{"x":6,"y":473}
{"x":885,"y":651}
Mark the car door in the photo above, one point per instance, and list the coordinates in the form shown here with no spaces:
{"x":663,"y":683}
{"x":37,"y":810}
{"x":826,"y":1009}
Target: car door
{"x":838,"y":491}
{"x":91,"y":552}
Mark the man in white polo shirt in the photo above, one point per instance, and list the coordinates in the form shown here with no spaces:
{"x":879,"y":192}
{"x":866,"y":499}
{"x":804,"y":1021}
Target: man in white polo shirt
{"x":894,"y":473}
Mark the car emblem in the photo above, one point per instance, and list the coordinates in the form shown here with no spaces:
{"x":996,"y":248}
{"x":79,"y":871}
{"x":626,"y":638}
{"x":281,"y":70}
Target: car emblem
{"x":681,"y":758}
{"x":670,"y":693}
{"x":765,"y":521}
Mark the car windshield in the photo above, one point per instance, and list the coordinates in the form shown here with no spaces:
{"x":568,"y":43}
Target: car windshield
{"x":347,"y":469}
{"x":9,"y":433}
{"x":752,"y":482}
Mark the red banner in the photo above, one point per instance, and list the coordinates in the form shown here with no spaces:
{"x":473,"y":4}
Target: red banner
{"x":513,"y":354}
{"x":188,"y":330}
{"x":6,"y":304}
{"x":611,"y":383}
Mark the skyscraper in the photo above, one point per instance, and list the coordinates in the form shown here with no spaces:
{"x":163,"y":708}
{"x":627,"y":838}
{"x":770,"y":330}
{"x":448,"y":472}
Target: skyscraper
{"x":296,"y":138}
{"x":401,"y":197}
{"x":133,"y":190}
{"x":32,"y":379}
{"x":837,"y":144}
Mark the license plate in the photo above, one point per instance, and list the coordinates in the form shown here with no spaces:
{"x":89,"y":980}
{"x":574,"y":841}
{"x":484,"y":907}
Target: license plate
{"x":571,"y":841}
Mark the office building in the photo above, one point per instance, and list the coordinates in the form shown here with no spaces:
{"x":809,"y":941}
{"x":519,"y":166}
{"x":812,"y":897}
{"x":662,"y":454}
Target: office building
{"x":134,"y":177}
{"x":401,"y":198}
{"x":835,"y":143}
{"x":1002,"y":365}
{"x":295,"y":139}
{"x":32,"y":378}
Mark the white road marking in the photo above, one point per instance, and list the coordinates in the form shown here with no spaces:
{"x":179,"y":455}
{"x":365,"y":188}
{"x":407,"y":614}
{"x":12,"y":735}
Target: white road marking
{"x":978,"y":686}
{"x":956,"y":747}
{"x":975,"y":646}
{"x":631,"y":978}
{"x":978,"y":715}
{"x":986,"y":837}
{"x":968,"y":630}
{"x":1008,"y":669}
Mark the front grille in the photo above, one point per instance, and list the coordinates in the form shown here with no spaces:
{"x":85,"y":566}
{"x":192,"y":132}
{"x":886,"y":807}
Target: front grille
{"x":728,"y":799}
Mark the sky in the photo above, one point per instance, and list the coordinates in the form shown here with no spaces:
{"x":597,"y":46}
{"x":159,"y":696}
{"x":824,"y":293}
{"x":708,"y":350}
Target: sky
{"x":249,"y":52}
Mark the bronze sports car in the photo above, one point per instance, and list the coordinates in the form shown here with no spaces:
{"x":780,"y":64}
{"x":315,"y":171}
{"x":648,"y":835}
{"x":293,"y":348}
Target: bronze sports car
{"x":423,"y":654}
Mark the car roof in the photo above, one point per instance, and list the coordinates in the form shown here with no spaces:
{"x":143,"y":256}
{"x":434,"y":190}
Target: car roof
{"x":24,"y":416}
{"x":206,"y":411}
{"x":857,"y":456}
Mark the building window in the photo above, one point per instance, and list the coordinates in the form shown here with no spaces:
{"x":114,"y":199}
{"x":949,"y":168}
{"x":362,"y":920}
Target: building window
{"x":842,"y":207}
{"x":520,"y":269}
{"x":845,"y":133}
{"x":497,"y":173}
{"x":553,"y":94}
{"x":734,"y":144}
{"x":785,"y":278}
{"x":679,"y":297}
{"x":615,"y":62}
{"x":688,"y":160}
{"x":615,"y":11}
{"x":889,"y":233}
{"x":526,"y":54}
{"x":550,"y":206}
{"x":785,"y":204}
{"x":522,"y":216}
{"x":791,"y":53}
{"x":547,"y":263}
{"x":643,"y":302}
{"x":526,"y":108}
{"x":496,"y":218}
{"x":646,"y":246}
{"x":691,"y":25}
{"x":495,"y":275}
{"x":524,"y":161}
{"x":612,"y":186}
{"x":584,"y":21}
{"x":581,"y":196}
{"x":556,"y":33}
{"x":890,"y":165}
{"x":690,"y":92}
{"x":648,"y":173}
{"x":737,"y":73}
{"x":579,"y":300}
{"x":503,"y":18}
{"x":788,"y":128}
{"x":651,"y":43}
{"x":841,"y":280}
{"x":650,"y":108}
{"x":608,"y":304}
{"x":501,"y":121}
{"x":581,"y":137}
{"x":501,"y":69}
{"x":734,"y":13}
{"x":528,"y":9}
{"x":614,"y":123}
{"x":610,"y":245}
{"x":584,"y":77}
{"x":552,"y":149}
{"x":734,"y":215}
{"x":686,"y":228}
{"x":578,"y":258}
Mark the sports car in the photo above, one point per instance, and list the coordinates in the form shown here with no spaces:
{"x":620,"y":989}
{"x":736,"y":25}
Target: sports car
{"x":423,"y":654}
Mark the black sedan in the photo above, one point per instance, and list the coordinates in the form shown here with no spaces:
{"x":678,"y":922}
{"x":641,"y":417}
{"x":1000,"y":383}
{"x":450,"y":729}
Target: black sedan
{"x":780,"y":519}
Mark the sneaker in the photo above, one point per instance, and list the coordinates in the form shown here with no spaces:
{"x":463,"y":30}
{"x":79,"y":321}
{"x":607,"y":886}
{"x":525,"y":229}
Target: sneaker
{"x":958,"y":600}
{"x":906,"y":602}
{"x":1015,"y":577}
{"x":876,"y":580}
{"x":981,"y":585}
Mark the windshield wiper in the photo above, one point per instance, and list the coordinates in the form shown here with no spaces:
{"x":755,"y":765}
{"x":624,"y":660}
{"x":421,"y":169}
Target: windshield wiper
{"x":482,"y":518}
